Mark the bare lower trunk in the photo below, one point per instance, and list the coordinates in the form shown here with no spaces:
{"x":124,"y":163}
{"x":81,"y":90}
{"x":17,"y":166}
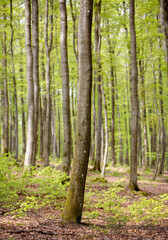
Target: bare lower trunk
{"x":5,"y":105}
{"x":23,"y":116}
{"x":35,"y":73}
{"x":106,"y":134}
{"x":48,"y":47}
{"x":98,"y":80}
{"x":14,"y":84}
{"x":65,"y":89}
{"x":30,"y":88}
{"x":134,"y":100}
{"x":74,"y":203}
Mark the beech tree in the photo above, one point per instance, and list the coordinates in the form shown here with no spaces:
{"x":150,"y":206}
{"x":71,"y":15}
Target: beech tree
{"x":134,"y":99}
{"x":4,"y":91}
{"x":30,"y":87}
{"x":65,"y":89}
{"x":48,"y":47}
{"x":74,"y":203}
{"x":35,"y":34}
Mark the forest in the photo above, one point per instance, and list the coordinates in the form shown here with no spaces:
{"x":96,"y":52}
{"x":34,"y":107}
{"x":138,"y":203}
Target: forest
{"x":83,"y":119}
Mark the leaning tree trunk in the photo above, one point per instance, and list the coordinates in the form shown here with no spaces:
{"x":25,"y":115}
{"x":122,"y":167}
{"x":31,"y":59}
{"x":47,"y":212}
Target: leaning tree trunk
{"x":74,"y":203}
{"x":30,"y":87}
{"x":134,"y":100}
{"x":65,"y":90}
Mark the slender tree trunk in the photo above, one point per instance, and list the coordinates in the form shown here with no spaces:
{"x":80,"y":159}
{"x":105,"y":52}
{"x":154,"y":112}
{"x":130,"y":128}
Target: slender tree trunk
{"x":163,"y":134}
{"x":59,"y":129}
{"x":145,"y":137}
{"x":74,"y":203}
{"x":75,"y":37}
{"x":23,"y":116}
{"x":53,"y":128}
{"x":35,"y":34}
{"x":98,"y":80}
{"x":41,"y":130}
{"x":65,"y":89}
{"x":10,"y":123}
{"x":93,"y":126}
{"x":42,"y":108}
{"x":106,"y":133}
{"x":30,"y":87}
{"x":134,"y":100}
{"x":111,"y":52}
{"x":119,"y":126}
{"x":46,"y":135}
{"x":5,"y":126}
{"x":14,"y":84}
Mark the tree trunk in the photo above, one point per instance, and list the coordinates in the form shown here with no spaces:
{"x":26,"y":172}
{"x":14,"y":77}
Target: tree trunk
{"x":14,"y":84}
{"x":35,"y":34}
{"x":98,"y":80}
{"x":30,"y":87}
{"x":111,"y":52}
{"x":65,"y":90}
{"x":5,"y":104}
{"x":46,"y":135}
{"x":23,"y":116}
{"x":134,"y":100}
{"x":106,"y":134}
{"x":74,"y":203}
{"x":145,"y":137}
{"x":163,"y":134}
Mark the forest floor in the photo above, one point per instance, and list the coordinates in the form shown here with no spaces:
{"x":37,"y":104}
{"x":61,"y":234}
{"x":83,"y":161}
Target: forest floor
{"x":97,"y":221}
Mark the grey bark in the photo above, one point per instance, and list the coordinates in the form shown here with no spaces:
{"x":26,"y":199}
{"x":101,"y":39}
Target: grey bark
{"x":35,"y":34}
{"x":98,"y":80}
{"x":74,"y":203}
{"x":134,"y":99}
{"x":5,"y":104}
{"x":23,"y":116}
{"x":14,"y":83}
{"x":144,"y":117}
{"x":30,"y":87}
{"x":48,"y":47}
{"x":65,"y":89}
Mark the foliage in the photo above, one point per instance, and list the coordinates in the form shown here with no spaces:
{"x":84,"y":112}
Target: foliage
{"x":37,"y":188}
{"x":120,"y":210}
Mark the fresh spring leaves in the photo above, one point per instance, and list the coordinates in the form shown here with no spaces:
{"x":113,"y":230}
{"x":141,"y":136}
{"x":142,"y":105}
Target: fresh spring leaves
{"x":21,"y":192}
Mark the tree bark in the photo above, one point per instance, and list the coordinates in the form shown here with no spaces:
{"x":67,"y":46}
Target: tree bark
{"x":106,"y":132}
{"x":30,"y":87}
{"x":145,"y":136}
{"x":35,"y":34}
{"x":134,"y":100}
{"x":5,"y":104}
{"x":65,"y":90}
{"x":74,"y":203}
{"x":48,"y":47}
{"x":98,"y":80}
{"x":23,"y":116}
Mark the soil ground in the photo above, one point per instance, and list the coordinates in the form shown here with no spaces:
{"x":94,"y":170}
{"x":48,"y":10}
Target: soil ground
{"x":46,"y":224}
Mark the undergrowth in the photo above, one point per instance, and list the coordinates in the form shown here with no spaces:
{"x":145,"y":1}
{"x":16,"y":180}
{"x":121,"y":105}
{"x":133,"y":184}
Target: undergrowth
{"x":21,"y":192}
{"x":120,"y":209}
